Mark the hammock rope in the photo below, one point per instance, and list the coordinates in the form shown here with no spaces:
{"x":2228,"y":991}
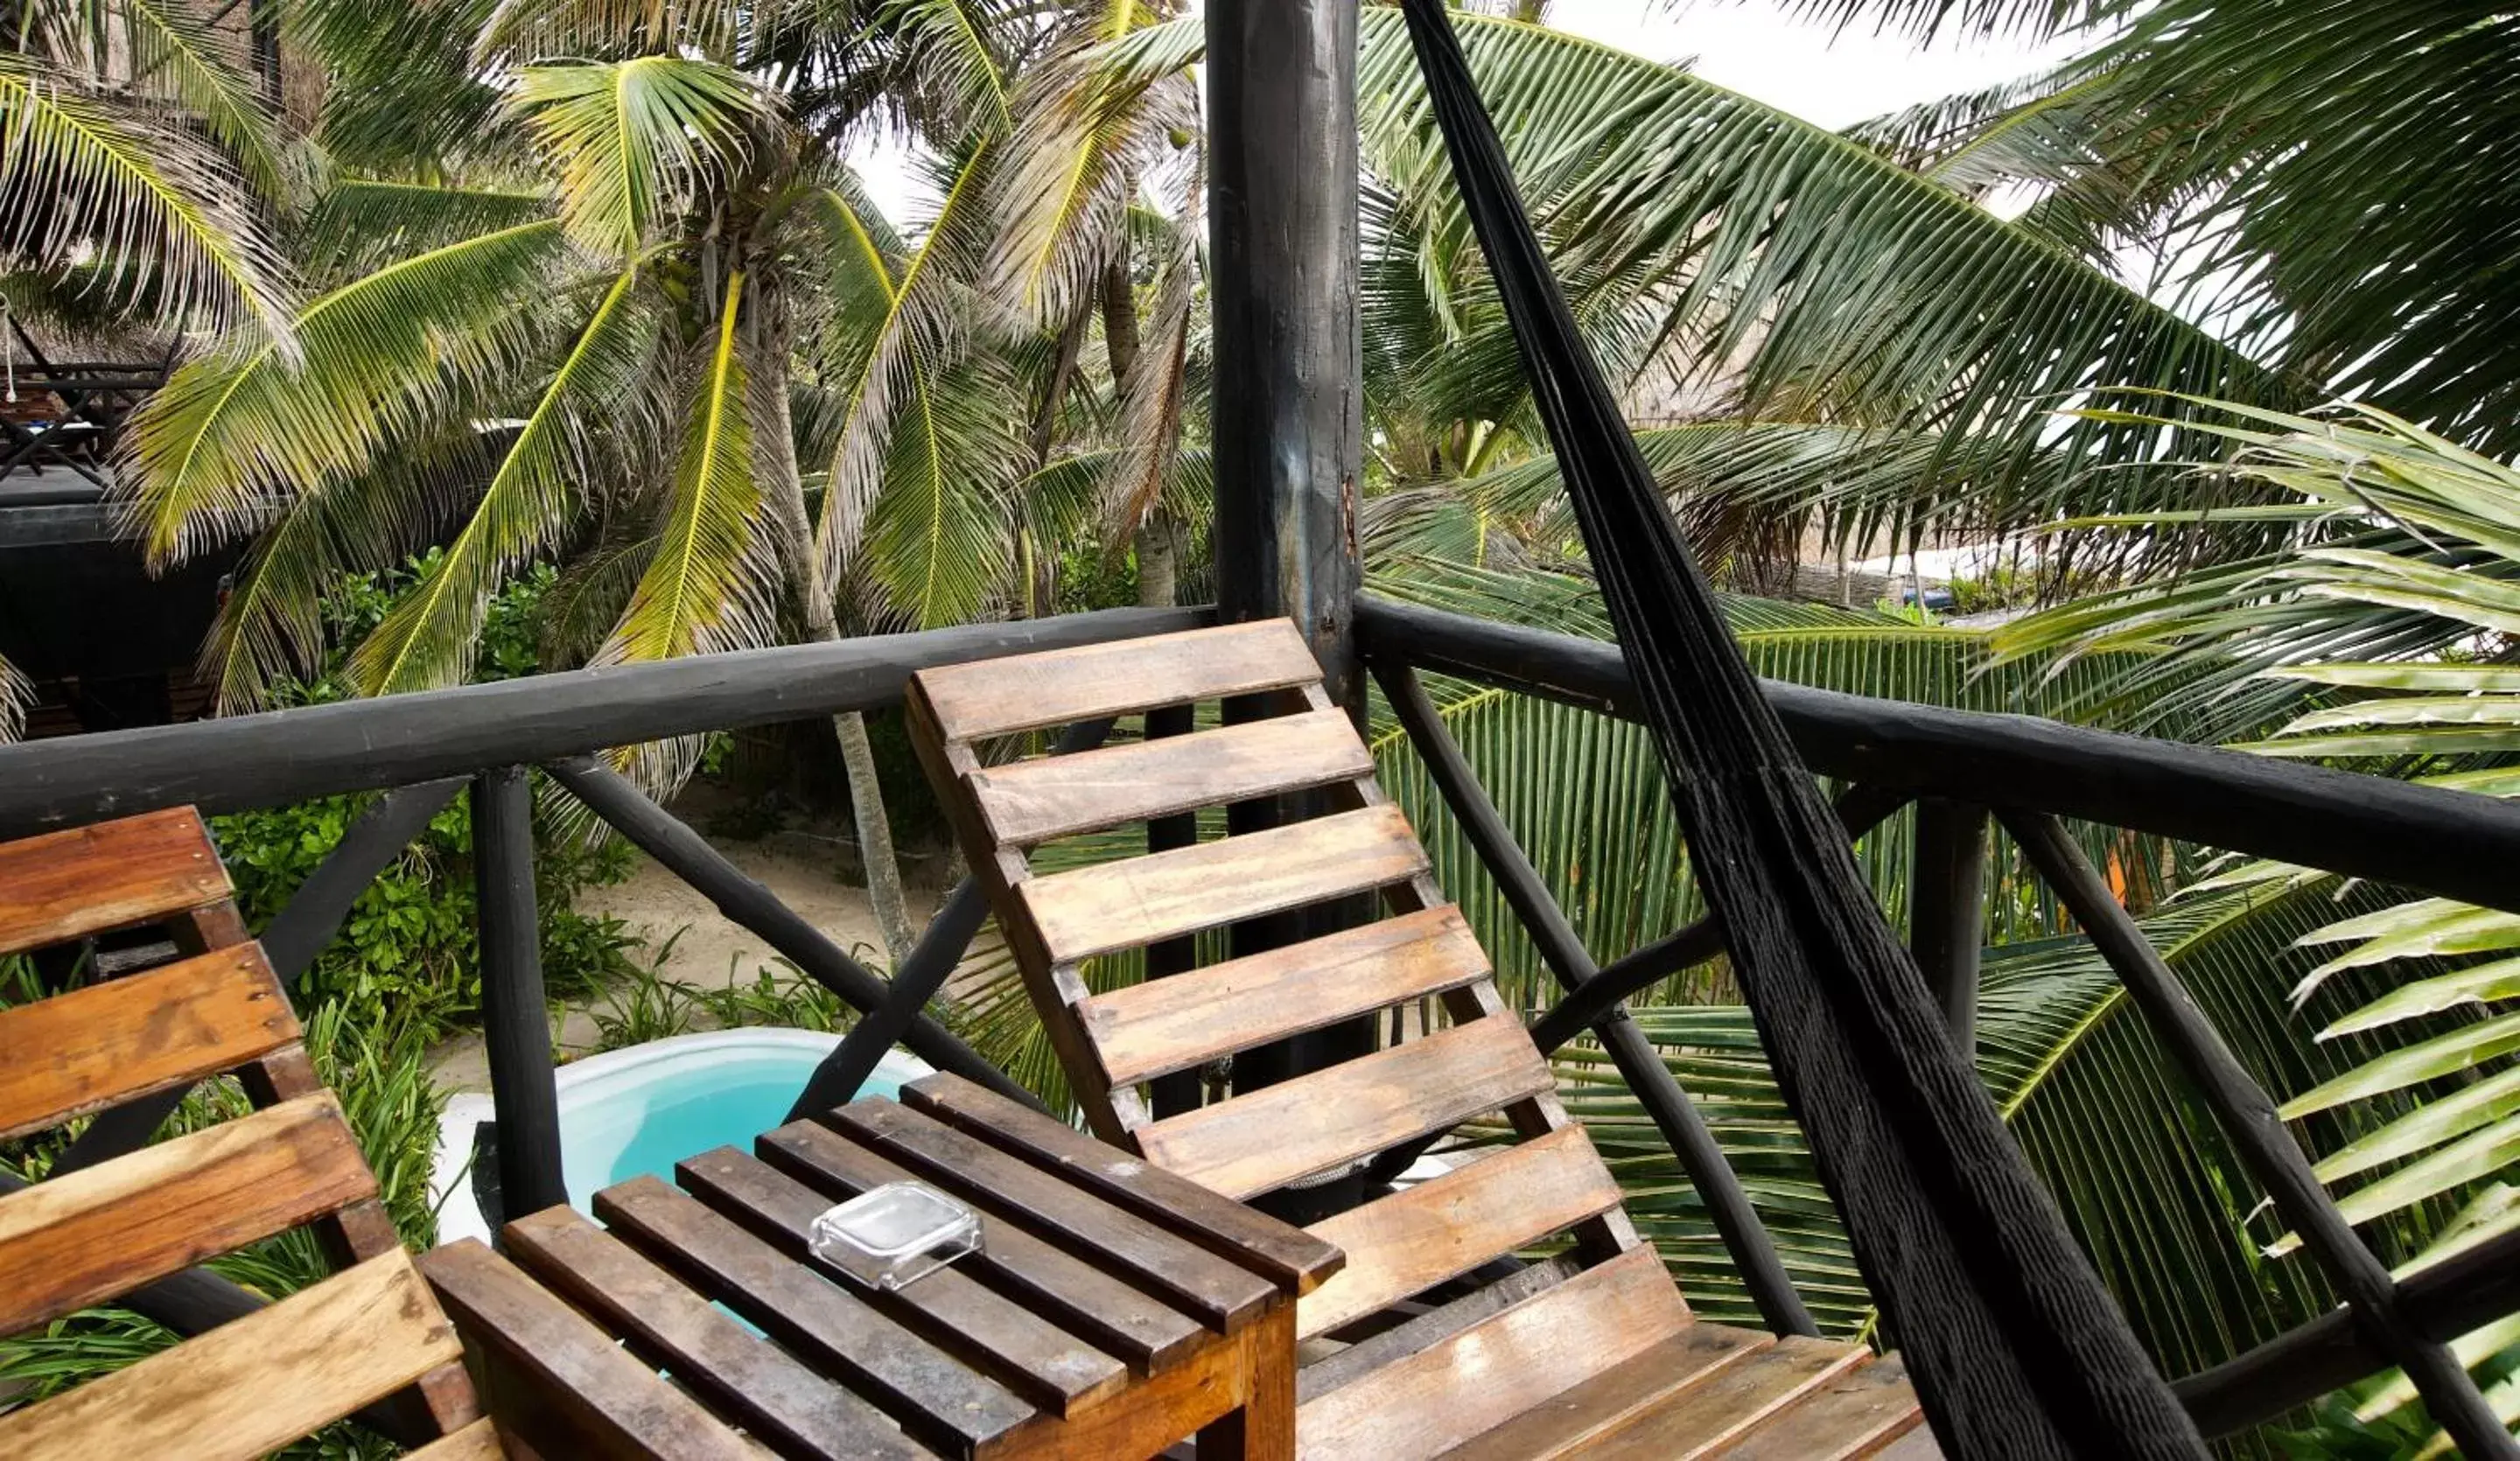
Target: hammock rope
{"x":2016,"y":1349}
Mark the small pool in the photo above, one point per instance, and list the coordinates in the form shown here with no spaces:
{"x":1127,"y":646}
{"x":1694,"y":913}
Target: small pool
{"x":634,"y":1112}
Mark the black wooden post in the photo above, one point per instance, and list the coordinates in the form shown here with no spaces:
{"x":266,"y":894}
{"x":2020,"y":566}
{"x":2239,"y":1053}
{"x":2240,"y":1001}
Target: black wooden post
{"x":515,"y":1026}
{"x":1288,"y":405}
{"x":1947,"y":910}
{"x":1173,"y":1094}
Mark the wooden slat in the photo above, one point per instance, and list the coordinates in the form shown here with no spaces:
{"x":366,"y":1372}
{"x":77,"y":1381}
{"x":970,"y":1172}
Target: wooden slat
{"x":1256,"y":1142}
{"x":1058,"y":687}
{"x":773,"y":1396}
{"x":1053,"y":796}
{"x":478,"y":1441}
{"x":1280,"y":1251}
{"x":252,"y":1385}
{"x":91,"y":1235}
{"x":1164,"y":895}
{"x":1111,"y":1240}
{"x":1433,"y":1327}
{"x":1440,"y":1397}
{"x":67,"y":885}
{"x":1850,"y":1415}
{"x":1159,"y":1025}
{"x":941,"y":1401}
{"x":1568,"y":1422}
{"x":93,"y":1048}
{"x":949,"y":1308}
{"x":1096,"y":1305}
{"x":1702,"y":1421}
{"x":1416,"y":1238}
{"x":561,"y":1383}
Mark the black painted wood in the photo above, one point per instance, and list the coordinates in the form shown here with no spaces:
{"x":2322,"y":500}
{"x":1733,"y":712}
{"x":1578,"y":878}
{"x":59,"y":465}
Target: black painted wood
{"x":298,"y":932}
{"x":893,"y":1018}
{"x":742,"y":899}
{"x":2455,"y":844}
{"x":1947,"y":910}
{"x":1745,"y":1236}
{"x":2259,"y":1136}
{"x":2443,"y":1301}
{"x":240,"y":762}
{"x":1173,"y":1094}
{"x":516,"y":1024}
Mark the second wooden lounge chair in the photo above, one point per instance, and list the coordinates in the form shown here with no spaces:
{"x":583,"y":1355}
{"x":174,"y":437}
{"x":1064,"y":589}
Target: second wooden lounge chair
{"x":1593,"y":1352}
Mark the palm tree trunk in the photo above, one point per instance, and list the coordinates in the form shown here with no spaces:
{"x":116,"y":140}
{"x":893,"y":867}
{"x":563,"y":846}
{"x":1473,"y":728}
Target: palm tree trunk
{"x":776,"y":445}
{"x":1158,"y":561}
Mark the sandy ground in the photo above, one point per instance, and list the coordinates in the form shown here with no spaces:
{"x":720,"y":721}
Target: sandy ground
{"x":711,"y":952}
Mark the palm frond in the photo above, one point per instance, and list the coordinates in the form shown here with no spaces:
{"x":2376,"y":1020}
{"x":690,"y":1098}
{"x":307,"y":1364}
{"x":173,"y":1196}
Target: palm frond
{"x":15,"y":695}
{"x":416,"y":343}
{"x":175,"y":53}
{"x":634,"y":141}
{"x":429,"y":638}
{"x":147,"y":209}
{"x":713,"y":581}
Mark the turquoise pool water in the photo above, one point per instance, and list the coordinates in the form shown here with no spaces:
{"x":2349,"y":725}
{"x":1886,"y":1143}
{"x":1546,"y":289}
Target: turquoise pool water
{"x":637,"y":1112}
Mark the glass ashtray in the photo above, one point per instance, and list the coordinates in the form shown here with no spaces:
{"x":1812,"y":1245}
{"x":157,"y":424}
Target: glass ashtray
{"x":895,"y":1234}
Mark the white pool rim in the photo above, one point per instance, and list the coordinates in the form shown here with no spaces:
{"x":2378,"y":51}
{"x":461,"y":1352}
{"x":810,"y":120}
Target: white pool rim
{"x":594,"y":1079}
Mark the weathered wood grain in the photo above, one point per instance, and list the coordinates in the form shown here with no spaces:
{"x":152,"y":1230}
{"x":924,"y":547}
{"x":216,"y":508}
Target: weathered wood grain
{"x":478,"y":1441}
{"x":950,"y":1309}
{"x":560,"y":1383}
{"x":1113,"y":1240}
{"x":939,"y":1401}
{"x":1053,"y":796}
{"x":70,"y":884}
{"x":1173,"y":1023}
{"x":1054,"y":688}
{"x":84,"y":1238}
{"x":1449,"y":1392}
{"x":1851,"y":1414}
{"x":249,"y":1387}
{"x":1286,"y":1254}
{"x":1423,"y":1235}
{"x":1164,"y":895}
{"x":1705,"y":1420}
{"x":1255,"y":1142}
{"x":776,"y":1399}
{"x":1567,"y":1423}
{"x":1099,"y":1307}
{"x":166,"y":1028}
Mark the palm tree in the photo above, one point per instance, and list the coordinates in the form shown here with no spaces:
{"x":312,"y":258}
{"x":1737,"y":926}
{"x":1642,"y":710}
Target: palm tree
{"x":722,"y":385}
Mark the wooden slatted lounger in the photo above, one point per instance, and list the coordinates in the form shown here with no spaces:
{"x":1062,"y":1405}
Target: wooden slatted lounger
{"x":370,"y":1336}
{"x":1592,"y":1353}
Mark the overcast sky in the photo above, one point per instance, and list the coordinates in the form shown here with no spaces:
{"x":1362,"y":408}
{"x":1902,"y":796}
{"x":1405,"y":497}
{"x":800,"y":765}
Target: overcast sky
{"x":1748,"y":45}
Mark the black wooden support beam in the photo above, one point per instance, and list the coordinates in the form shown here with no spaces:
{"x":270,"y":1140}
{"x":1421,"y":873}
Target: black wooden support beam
{"x":1177,"y":1092}
{"x":1745,"y":1236}
{"x":686,"y":855}
{"x":516,"y":1022}
{"x":2258,"y":1135}
{"x":2453,"y":844}
{"x":298,"y":932}
{"x":241,"y":761}
{"x":941,"y":947}
{"x":1947,"y":910}
{"x":1859,"y":809}
{"x":2463,"y":1292}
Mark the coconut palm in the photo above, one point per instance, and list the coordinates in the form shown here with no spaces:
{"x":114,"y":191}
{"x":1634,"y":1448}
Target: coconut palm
{"x":717,"y":379}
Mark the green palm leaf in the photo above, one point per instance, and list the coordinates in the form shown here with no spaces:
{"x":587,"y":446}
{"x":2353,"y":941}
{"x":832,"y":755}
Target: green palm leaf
{"x":409,"y":346}
{"x":634,"y":141}
{"x":711,"y":583}
{"x":429,"y":639}
{"x":139,"y":201}
{"x":15,"y":695}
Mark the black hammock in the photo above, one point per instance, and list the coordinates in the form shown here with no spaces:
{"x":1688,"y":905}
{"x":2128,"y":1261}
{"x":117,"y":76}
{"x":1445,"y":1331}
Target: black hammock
{"x":2016,"y":1348}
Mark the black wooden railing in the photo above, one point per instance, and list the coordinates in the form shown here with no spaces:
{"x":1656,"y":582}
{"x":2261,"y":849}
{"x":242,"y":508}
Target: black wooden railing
{"x":1961,"y":769}
{"x":95,"y":398}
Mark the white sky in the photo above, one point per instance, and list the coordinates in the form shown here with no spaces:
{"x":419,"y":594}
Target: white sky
{"x":1751,"y":46}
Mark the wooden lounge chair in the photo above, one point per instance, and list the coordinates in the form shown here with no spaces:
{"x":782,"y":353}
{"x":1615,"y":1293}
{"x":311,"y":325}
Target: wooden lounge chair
{"x":1592,"y":1352}
{"x":371,"y":1335}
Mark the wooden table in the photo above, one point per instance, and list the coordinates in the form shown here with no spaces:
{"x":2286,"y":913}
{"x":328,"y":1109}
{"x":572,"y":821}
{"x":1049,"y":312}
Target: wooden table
{"x":1115,"y":1308}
